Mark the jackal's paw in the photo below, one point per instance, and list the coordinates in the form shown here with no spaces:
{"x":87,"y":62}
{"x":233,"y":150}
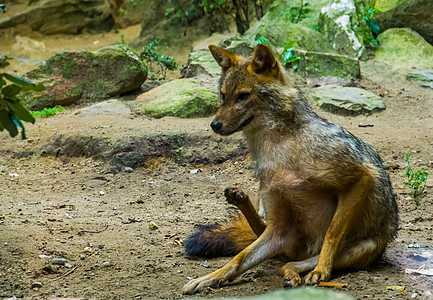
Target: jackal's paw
{"x":317,"y":275}
{"x":235,"y":195}
{"x":292,"y":281}
{"x":199,"y":284}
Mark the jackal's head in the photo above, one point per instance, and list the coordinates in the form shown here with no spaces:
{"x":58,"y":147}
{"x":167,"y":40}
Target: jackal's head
{"x":241,"y":88}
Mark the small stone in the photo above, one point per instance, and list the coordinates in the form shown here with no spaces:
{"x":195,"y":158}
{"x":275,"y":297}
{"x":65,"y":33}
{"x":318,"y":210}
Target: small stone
{"x":36,"y":285}
{"x":205,"y":264}
{"x":87,"y":250}
{"x":153,"y":226}
{"x":128,"y":169}
{"x":68,"y":265}
{"x":58,"y":261}
{"x":83,"y":256}
{"x":101,"y":193}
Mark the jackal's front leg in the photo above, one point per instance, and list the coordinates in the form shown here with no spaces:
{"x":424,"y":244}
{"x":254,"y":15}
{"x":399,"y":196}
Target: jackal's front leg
{"x":266,"y":246}
{"x":349,"y":202}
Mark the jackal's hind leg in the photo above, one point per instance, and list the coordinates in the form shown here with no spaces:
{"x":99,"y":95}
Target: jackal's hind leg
{"x":291,"y":270}
{"x":237,"y":197}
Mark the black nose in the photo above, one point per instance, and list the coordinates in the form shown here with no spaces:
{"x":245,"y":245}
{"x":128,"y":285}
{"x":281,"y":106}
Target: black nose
{"x":216,"y":126}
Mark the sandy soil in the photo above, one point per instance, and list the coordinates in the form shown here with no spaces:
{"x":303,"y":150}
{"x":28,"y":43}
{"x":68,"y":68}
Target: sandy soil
{"x":122,"y":234}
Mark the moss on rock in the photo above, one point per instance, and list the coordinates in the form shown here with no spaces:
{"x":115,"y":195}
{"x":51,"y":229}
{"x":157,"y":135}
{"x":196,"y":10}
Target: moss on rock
{"x":72,"y":76}
{"x":183,"y":98}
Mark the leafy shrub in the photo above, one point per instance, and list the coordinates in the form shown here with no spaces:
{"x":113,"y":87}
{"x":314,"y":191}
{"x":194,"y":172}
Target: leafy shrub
{"x":287,"y":56}
{"x":48,"y":112}
{"x":151,"y":55}
{"x":297,"y":14}
{"x":12,"y":112}
{"x":416,"y":180}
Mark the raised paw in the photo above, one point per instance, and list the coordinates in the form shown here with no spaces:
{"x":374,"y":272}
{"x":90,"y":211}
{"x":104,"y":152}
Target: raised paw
{"x":235,"y":195}
{"x":317,"y":275}
{"x":199,"y":284}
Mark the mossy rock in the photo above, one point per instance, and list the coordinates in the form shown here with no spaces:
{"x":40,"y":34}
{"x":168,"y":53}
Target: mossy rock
{"x":308,"y":293}
{"x":73,"y":76}
{"x":424,"y":78}
{"x":276,"y":27}
{"x":347,"y":100}
{"x":319,"y":64}
{"x":414,"y":14}
{"x":201,"y":63}
{"x":344,"y":26}
{"x":183,"y":98}
{"x":403,"y":48}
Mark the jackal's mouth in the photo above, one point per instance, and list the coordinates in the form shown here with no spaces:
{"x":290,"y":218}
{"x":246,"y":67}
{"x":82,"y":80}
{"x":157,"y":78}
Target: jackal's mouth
{"x":245,"y":123}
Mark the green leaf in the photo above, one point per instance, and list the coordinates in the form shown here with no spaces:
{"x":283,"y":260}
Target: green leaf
{"x":7,"y":123}
{"x":21,"y":113}
{"x":10,"y":90}
{"x":17,"y":80}
{"x":261,"y":40}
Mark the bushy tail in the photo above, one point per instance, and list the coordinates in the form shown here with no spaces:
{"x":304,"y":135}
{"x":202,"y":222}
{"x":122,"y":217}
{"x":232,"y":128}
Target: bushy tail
{"x":225,"y":239}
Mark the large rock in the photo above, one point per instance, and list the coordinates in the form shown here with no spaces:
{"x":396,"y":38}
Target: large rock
{"x":70,"y":77}
{"x":347,"y":100}
{"x":201,"y":63}
{"x":66,"y":16}
{"x":126,"y":13}
{"x":414,"y":14}
{"x":403,"y":48}
{"x":328,"y":67}
{"x":184,"y":98}
{"x":425,"y":78}
{"x":276,"y":27}
{"x":345,"y":27}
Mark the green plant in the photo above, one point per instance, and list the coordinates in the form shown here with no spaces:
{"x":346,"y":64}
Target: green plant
{"x":288,"y":57}
{"x":261,"y":40}
{"x":297,"y":13}
{"x":365,"y":27}
{"x":151,"y":55}
{"x":48,"y":112}
{"x":12,"y":112}
{"x":416,"y":180}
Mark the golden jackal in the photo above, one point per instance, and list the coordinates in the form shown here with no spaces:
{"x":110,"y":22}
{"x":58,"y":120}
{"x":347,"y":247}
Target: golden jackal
{"x":325,"y":200}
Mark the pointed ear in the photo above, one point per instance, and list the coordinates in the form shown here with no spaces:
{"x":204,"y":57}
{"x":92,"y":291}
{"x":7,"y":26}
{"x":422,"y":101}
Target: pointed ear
{"x":264,"y":61}
{"x":224,"y":58}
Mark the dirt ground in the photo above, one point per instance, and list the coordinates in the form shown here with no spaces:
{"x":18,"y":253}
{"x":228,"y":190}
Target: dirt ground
{"x":122,"y":234}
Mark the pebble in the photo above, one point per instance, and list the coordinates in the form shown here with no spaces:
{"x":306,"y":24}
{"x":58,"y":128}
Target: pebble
{"x":87,"y":250}
{"x":128,"y":169}
{"x":68,"y":265}
{"x":153,"y":226}
{"x":36,"y":285}
{"x":58,"y":261}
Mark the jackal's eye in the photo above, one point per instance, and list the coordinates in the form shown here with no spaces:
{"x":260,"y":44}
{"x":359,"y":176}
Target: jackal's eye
{"x":242,"y":96}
